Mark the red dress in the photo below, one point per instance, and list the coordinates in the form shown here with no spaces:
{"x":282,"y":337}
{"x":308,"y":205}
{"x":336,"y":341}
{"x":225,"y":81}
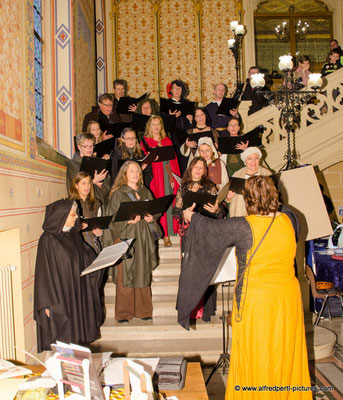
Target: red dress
{"x":157,"y":185}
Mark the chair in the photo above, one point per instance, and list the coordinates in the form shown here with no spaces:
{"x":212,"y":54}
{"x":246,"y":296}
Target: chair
{"x":321,"y":293}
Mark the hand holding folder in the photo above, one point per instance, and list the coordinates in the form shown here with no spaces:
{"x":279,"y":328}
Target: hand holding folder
{"x":96,"y":223}
{"x":128,"y":210}
{"x":94,"y":164}
{"x":123,"y":106}
{"x":186,"y":108}
{"x":227,"y":145}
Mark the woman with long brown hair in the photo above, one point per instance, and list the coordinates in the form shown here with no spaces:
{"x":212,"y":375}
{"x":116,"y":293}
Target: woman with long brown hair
{"x":196,"y":179}
{"x":81,"y":190}
{"x":268,"y":334}
{"x":133,"y":275}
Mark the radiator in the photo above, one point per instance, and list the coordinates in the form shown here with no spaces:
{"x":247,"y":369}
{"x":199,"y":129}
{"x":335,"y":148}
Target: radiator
{"x":7,"y":349}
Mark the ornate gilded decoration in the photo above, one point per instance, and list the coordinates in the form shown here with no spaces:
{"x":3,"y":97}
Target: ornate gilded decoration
{"x":156,"y":7}
{"x":136,"y":51}
{"x":114,"y":16}
{"x":157,"y":41}
{"x":218,"y":61}
{"x":198,"y":9}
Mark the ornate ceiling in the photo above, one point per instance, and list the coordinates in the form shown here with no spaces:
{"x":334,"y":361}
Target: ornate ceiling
{"x":283,"y":6}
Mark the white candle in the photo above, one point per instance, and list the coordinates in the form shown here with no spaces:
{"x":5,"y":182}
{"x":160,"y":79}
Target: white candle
{"x":239,"y":30}
{"x":315,"y":80}
{"x":231,"y":43}
{"x":233,"y":25}
{"x":257,"y":80}
{"x":285,"y":63}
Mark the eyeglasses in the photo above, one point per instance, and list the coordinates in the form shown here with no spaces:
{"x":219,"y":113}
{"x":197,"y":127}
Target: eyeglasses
{"x":87,"y":147}
{"x":107,"y":105}
{"x":129,"y":138}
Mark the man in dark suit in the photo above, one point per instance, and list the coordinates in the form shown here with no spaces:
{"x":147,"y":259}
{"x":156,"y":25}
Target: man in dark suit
{"x":249,"y":93}
{"x":102,"y":112}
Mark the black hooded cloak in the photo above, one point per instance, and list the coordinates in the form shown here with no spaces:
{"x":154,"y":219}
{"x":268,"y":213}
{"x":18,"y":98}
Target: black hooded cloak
{"x":73,"y":301}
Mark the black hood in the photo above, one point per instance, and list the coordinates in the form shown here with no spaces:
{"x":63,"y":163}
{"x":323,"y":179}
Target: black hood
{"x":56,"y":214}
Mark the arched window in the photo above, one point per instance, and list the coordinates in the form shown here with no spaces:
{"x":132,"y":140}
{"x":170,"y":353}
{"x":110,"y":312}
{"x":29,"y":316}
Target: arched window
{"x":295,"y":27}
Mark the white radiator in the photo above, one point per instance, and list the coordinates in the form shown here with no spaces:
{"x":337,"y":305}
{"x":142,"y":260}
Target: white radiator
{"x":7,"y":350}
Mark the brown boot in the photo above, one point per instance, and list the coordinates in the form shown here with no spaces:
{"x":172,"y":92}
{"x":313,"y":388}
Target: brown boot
{"x":167,"y":242}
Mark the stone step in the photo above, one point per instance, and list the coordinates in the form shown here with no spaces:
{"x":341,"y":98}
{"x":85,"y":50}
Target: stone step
{"x":174,"y":239}
{"x":163,"y":286}
{"x":162,"y":308}
{"x":160,"y":328}
{"x":169,"y":252}
{"x":168,"y":268}
{"x":157,"y":288}
{"x":207,"y":351}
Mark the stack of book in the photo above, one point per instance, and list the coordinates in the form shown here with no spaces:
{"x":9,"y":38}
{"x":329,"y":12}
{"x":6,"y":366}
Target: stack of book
{"x":171,"y":373}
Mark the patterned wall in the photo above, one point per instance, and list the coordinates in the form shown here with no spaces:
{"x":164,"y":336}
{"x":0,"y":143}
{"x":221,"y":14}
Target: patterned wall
{"x":219,"y":64}
{"x":27,"y":184}
{"x":177,"y":42}
{"x":10,"y":61}
{"x":178,"y":45}
{"x":84,"y":60}
{"x":136,"y":49}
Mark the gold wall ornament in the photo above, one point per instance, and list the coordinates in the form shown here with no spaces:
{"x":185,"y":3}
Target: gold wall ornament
{"x":156,"y":8}
{"x":198,"y":9}
{"x":114,"y":16}
{"x":240,"y":11}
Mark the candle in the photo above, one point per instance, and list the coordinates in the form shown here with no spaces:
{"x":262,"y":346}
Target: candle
{"x":231,"y":43}
{"x":239,"y":30}
{"x":257,"y":80}
{"x":315,"y":80}
{"x":233,"y":25}
{"x":285,"y":63}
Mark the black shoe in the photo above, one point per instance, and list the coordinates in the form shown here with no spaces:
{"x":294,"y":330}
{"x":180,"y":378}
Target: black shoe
{"x":146,"y":319}
{"x":123,"y":321}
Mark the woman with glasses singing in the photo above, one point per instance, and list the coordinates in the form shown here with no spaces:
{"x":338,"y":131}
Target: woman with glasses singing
{"x":85,"y":143}
{"x":128,"y":148}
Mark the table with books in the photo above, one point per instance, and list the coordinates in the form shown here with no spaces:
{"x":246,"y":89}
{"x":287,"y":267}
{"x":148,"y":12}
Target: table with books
{"x":194,"y":386}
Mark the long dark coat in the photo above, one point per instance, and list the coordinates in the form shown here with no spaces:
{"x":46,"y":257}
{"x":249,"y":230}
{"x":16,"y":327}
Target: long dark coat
{"x":137,"y":270}
{"x":73,"y":301}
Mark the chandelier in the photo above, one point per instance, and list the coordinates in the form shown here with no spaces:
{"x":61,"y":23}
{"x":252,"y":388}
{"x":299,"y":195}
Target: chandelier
{"x":282,"y":31}
{"x":289,"y":100}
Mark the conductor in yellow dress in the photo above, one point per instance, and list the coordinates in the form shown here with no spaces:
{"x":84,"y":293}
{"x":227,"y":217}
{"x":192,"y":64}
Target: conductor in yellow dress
{"x":268,"y":350}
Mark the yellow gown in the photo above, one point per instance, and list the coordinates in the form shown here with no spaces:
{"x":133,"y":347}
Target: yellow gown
{"x":268,"y":350}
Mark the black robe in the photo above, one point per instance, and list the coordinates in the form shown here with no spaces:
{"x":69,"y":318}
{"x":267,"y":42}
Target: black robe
{"x":73,"y":301}
{"x":207,"y":240}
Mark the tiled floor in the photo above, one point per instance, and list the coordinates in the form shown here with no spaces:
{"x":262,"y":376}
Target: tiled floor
{"x":217,"y":385}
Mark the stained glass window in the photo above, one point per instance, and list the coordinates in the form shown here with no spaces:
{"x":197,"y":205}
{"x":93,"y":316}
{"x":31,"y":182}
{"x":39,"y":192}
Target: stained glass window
{"x":37,"y":23}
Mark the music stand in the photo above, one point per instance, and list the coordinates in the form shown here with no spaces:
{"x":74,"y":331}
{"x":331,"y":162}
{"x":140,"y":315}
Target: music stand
{"x":225,"y":274}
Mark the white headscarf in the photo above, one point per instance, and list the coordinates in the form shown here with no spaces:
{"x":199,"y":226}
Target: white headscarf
{"x":250,"y":150}
{"x":206,"y":140}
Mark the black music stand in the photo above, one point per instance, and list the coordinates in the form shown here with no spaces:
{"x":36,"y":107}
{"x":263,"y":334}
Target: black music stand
{"x":224,"y":358}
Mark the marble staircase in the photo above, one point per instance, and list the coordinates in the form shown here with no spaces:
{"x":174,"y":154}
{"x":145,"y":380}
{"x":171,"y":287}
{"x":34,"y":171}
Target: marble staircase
{"x":163,"y":336}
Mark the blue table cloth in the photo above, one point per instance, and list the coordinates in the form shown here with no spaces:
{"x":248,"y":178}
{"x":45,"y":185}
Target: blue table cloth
{"x":327,"y":270}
